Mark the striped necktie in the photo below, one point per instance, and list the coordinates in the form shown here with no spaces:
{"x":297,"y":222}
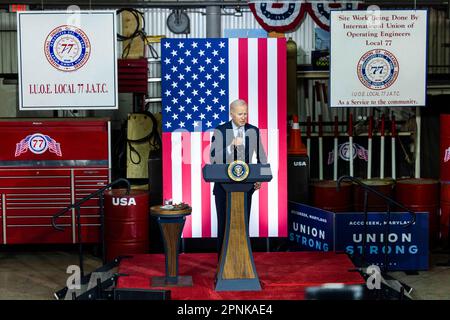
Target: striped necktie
{"x":240,"y":149}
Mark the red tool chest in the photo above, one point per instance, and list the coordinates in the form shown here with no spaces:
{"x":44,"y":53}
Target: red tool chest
{"x":45,"y":165}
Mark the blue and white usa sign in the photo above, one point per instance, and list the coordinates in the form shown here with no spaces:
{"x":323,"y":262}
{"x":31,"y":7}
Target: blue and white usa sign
{"x":67,"y":60}
{"x":378,"y":58}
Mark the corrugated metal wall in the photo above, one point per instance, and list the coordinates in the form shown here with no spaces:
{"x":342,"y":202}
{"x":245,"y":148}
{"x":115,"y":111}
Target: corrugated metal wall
{"x":8,"y":43}
{"x":155,"y":21}
{"x":438,"y":35}
{"x":304,"y":37}
{"x":155,"y":18}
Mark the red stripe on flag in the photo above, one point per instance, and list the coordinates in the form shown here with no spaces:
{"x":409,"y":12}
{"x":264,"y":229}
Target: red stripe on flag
{"x":263,"y":198}
{"x":206,"y":191}
{"x":282,"y":132}
{"x":186,"y":178}
{"x":262,"y":124}
{"x":167,"y":165}
{"x":243,"y":68}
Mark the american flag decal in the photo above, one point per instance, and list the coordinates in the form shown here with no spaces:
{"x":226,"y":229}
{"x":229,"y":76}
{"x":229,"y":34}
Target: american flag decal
{"x":53,"y":146}
{"x":49,"y":144}
{"x":22,"y":146}
{"x":200,"y":77}
{"x":447,"y":154}
{"x":344,"y":153}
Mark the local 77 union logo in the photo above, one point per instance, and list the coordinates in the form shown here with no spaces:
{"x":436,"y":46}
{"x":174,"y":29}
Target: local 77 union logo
{"x":67,"y":48}
{"x":38,"y":143}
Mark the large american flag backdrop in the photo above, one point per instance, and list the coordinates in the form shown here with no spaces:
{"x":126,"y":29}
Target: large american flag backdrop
{"x":200,"y":78}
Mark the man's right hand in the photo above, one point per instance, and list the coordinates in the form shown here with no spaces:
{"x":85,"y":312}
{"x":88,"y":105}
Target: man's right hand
{"x":237,"y":141}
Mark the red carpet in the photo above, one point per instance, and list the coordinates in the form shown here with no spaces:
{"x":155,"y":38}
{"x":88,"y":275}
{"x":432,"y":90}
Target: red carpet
{"x":283,"y":275}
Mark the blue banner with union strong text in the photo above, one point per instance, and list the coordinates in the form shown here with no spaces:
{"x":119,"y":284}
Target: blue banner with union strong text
{"x":398,"y":245}
{"x":310,"y":228}
{"x":406,"y":245}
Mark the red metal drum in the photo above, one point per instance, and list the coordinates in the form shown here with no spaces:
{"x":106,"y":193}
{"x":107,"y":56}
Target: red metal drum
{"x":421,"y":195}
{"x":326,"y":197}
{"x":445,"y":212}
{"x":126,"y":222}
{"x":444,"y":150}
{"x":374,"y":202}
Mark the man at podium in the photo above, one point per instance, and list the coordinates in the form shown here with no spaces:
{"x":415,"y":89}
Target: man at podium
{"x":234,"y":140}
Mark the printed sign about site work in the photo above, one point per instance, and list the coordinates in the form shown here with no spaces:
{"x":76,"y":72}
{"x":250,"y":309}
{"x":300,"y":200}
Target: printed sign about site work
{"x":67,"y":60}
{"x":378,"y":58}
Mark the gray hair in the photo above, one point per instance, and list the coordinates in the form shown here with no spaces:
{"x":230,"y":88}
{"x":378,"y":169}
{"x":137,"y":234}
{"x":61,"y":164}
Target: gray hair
{"x":237,"y":102}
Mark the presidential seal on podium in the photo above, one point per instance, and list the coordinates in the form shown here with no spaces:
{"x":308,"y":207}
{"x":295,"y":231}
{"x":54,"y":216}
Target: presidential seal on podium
{"x":238,"y":170}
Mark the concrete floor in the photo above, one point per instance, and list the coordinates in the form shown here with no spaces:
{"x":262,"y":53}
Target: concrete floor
{"x":37,"y":275}
{"x":433,"y":284}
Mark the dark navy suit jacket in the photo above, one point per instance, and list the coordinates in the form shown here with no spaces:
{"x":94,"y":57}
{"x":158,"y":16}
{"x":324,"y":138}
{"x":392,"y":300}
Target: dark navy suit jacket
{"x":222,"y":138}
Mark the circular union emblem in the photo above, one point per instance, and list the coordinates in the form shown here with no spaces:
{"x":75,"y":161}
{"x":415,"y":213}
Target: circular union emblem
{"x":67,"y":48}
{"x":377,"y":69}
{"x":238,"y":170}
{"x":37,"y":143}
{"x":344,"y":151}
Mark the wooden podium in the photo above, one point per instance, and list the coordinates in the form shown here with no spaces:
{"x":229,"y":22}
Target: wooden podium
{"x":171,"y":223}
{"x":236,"y":270}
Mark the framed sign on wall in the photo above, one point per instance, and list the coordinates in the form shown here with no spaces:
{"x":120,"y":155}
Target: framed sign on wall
{"x":67,"y":60}
{"x":378,"y":58}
